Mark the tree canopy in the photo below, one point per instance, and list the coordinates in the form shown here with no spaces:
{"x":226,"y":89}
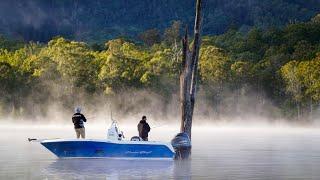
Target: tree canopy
{"x":258,"y":69}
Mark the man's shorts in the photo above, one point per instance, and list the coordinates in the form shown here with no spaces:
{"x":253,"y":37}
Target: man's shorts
{"x":80,"y":132}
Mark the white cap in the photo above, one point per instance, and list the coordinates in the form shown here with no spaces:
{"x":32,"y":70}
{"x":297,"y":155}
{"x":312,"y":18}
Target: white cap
{"x":77,"y":110}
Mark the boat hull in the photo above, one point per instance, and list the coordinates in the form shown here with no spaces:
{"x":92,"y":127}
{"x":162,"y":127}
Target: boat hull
{"x":108,"y":149}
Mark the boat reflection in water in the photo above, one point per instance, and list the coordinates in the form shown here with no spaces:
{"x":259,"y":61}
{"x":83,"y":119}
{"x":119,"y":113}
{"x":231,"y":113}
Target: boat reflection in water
{"x":110,"y":168}
{"x":117,"y":169}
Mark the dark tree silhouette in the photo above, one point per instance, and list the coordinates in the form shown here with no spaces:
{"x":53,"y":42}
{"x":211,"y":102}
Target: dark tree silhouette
{"x":188,"y":77}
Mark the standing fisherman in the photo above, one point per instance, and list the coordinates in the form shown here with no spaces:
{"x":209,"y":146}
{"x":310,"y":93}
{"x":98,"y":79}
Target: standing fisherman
{"x":78,"y":120}
{"x":143,"y":128}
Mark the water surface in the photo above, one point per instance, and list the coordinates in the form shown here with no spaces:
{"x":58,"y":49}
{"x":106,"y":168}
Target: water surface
{"x":218,"y":153}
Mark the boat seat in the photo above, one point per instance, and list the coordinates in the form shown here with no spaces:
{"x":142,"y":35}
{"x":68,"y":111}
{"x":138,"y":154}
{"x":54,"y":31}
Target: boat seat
{"x":135,"y":138}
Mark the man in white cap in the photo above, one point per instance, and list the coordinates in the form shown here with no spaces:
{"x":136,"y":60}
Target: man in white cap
{"x":78,"y":120}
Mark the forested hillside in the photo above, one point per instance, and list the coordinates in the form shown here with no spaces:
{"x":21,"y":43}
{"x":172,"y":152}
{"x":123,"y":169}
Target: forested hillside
{"x":98,"y":20}
{"x":273,"y":72}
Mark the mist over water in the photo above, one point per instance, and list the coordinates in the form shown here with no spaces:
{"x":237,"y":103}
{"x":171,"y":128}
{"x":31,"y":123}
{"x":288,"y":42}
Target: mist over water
{"x":219,"y":152}
{"x":130,"y":105}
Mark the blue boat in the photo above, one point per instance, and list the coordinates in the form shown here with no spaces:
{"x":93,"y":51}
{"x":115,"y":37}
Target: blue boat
{"x":90,"y":148}
{"x":113,"y":147}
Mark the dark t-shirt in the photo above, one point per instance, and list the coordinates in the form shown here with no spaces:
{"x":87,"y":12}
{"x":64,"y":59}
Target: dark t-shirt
{"x":78,"y":120}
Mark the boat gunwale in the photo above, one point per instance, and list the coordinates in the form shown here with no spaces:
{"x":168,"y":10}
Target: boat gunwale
{"x":168,"y":145}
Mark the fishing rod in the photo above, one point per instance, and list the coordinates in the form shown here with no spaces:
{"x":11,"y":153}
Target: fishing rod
{"x":91,"y":117}
{"x":111,"y":115}
{"x":154,"y":127}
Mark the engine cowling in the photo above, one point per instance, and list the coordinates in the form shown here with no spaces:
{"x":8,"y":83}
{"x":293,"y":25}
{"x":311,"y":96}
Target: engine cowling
{"x":182,"y":145}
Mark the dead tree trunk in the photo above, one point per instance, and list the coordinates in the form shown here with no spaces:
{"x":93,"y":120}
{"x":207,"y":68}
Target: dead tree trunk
{"x":189,"y":74}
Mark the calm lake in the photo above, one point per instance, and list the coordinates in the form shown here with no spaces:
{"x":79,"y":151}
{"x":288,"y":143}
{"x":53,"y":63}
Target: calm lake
{"x":219,"y":152}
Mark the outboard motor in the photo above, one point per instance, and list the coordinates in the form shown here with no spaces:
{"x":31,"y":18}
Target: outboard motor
{"x":182,"y":146}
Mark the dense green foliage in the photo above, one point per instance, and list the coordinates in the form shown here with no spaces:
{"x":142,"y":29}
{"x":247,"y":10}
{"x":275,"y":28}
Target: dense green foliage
{"x":274,"y":71}
{"x":281,"y":64}
{"x":96,"y":20}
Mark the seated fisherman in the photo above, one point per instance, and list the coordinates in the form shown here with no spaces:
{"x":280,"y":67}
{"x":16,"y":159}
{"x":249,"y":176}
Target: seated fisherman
{"x":78,"y":120}
{"x":143,"y":128}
